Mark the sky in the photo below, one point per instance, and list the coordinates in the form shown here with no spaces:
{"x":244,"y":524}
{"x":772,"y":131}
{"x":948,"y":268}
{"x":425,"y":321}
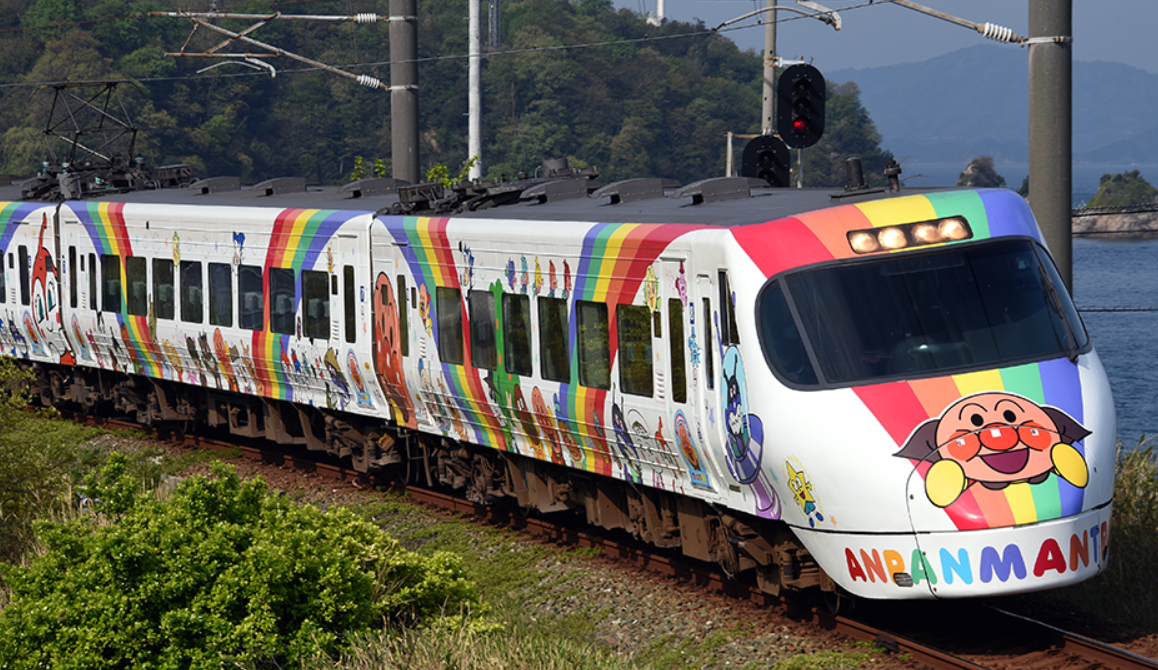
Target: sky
{"x":886,"y":34}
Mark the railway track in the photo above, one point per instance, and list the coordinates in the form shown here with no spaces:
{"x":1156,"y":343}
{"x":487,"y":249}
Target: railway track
{"x":945,"y":635}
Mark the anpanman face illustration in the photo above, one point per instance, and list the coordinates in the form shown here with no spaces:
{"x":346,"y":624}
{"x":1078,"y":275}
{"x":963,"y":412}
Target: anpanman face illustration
{"x":996,"y":439}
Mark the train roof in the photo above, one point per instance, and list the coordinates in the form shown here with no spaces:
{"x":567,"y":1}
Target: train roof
{"x":727,"y":201}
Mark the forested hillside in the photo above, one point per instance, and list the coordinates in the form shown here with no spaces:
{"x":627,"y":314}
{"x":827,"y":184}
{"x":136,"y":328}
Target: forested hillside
{"x":656,"y":107}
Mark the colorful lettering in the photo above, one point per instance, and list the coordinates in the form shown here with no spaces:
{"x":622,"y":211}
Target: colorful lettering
{"x":960,"y":566}
{"x":1010,"y":560}
{"x":1079,"y":549}
{"x":874,"y":565}
{"x":894,"y":563}
{"x":922,"y":569}
{"x":1049,"y":558}
{"x":854,"y":569}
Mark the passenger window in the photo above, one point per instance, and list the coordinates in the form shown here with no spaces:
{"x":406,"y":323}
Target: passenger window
{"x":729,"y":334}
{"x":594,"y":344}
{"x":220,"y":294}
{"x":675,"y":329}
{"x":633,"y":326}
{"x":315,"y":304}
{"x":250,"y":301}
{"x":709,"y":344}
{"x":111,"y":283}
{"x":71,"y":279}
{"x":92,"y":281}
{"x":163,"y":302}
{"x":483,"y":353}
{"x":25,"y":285}
{"x":449,"y":307}
{"x":351,"y":313}
{"x":282,"y":301}
{"x":192,"y":309}
{"x":554,"y":357}
{"x":403,"y":314}
{"x":517,"y":334}
{"x":137,"y":283}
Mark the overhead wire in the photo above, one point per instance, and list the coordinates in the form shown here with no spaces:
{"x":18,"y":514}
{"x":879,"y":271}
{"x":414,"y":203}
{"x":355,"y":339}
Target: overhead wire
{"x":429,"y":59}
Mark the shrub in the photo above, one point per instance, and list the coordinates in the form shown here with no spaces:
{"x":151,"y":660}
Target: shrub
{"x":221,"y":572}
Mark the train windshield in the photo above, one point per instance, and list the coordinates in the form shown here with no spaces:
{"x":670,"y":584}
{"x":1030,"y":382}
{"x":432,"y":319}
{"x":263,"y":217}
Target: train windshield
{"x":977,"y":306}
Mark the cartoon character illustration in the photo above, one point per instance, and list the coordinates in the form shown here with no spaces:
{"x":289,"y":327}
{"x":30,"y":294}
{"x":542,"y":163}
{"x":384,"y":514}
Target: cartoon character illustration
{"x":45,"y":314}
{"x":691,"y":454}
{"x":206,"y":358}
{"x":224,"y":360}
{"x":651,"y":289}
{"x":176,"y":248}
{"x":745,"y":436}
{"x":356,"y":379}
{"x":996,"y":439}
{"x":526,"y":276}
{"x":424,"y":308}
{"x":387,"y":352}
{"x":538,"y":276}
{"x":568,"y":436}
{"x":334,"y":373}
{"x":801,"y":487}
{"x":566,"y":280}
{"x":631,"y":469}
{"x":681,"y":285}
{"x":238,"y":247}
{"x":552,"y":278}
{"x":511,"y":273}
{"x":81,"y":340}
{"x":527,"y":422}
{"x":547,"y":423}
{"x":466,"y":277}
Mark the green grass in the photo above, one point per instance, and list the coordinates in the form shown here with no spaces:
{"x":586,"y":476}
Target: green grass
{"x":1127,"y":590}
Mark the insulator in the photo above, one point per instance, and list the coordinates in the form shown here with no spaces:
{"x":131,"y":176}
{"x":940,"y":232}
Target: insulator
{"x":366,"y":18}
{"x":368,"y":81}
{"x":995,"y":32}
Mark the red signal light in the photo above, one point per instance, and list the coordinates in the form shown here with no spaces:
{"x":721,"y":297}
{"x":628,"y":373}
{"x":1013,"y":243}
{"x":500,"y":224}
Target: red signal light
{"x":800,"y":124}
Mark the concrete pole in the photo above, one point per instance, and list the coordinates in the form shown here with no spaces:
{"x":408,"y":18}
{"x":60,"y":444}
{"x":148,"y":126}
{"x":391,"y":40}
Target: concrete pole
{"x":768,"y":116}
{"x":474,"y":106}
{"x":404,"y":89}
{"x":1051,"y":128}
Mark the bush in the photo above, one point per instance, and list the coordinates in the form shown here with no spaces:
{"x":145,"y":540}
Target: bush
{"x":1127,"y":188}
{"x":220,"y":572}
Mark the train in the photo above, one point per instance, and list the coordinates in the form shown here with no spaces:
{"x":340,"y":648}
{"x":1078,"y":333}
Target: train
{"x":880,"y":393}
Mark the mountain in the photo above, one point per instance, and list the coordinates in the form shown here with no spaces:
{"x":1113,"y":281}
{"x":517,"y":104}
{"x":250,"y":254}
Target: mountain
{"x":975,"y":101}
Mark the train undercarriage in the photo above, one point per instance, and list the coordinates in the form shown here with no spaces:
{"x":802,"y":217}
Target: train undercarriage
{"x":739,"y":543}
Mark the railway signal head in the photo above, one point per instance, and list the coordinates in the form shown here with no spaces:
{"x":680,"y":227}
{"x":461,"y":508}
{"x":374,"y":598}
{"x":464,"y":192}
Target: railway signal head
{"x":766,"y":157}
{"x":800,"y":106}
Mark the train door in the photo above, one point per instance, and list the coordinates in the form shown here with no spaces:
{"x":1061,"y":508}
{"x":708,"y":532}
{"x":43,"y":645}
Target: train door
{"x":681,"y":378}
{"x":705,"y":359}
{"x":390,"y":326}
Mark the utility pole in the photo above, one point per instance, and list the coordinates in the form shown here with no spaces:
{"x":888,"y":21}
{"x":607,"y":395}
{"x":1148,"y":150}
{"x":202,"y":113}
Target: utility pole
{"x":1051,"y":126}
{"x":769,"y":111}
{"x":474,"y":95}
{"x":404,"y":89}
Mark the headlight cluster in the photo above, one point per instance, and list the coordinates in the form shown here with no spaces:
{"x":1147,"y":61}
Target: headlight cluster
{"x":891,"y":238}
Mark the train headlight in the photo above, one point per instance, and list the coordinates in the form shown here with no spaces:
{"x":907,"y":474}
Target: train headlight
{"x":863,"y":242}
{"x":892,"y":238}
{"x":921,"y":233}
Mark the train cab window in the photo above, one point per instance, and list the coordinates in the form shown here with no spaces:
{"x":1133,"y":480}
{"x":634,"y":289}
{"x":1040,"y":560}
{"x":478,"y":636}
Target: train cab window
{"x":554,"y":358}
{"x":448,"y":303}
{"x":782,"y":344}
{"x":92,"y":281}
{"x":517,"y":334}
{"x":192,"y":289}
{"x":675,"y":329}
{"x":163,"y":298}
{"x":633,"y":326}
{"x":403,"y":316}
{"x":709,"y":345}
{"x":110,"y":283}
{"x":25,"y":284}
{"x":729,"y":334}
{"x":483,"y":352}
{"x":315,"y":304}
{"x":282,"y":301}
{"x":71,"y":279}
{"x":348,"y":289}
{"x":250,"y":301}
{"x":594,"y":342}
{"x":137,"y":286}
{"x":220,"y":294}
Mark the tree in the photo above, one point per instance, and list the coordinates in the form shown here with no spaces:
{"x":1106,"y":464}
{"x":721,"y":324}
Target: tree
{"x":848,"y":132}
{"x":220,"y":573}
{"x":1126,"y":188}
{"x":980,"y":173}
